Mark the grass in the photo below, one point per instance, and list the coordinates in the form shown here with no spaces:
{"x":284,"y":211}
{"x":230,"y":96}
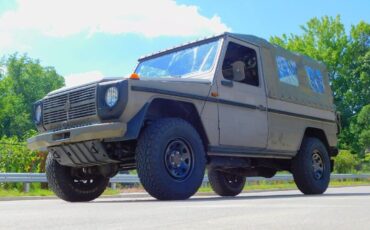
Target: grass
{"x":265,"y":185}
{"x":111,"y":192}
{"x":43,"y":192}
{"x":250,"y":186}
{"x":33,"y":192}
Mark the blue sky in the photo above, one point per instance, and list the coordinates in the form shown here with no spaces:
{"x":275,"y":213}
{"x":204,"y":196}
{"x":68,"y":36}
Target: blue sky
{"x":85,"y":40}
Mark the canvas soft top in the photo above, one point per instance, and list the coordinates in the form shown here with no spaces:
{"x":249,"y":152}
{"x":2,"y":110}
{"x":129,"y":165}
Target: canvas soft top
{"x":302,"y":93}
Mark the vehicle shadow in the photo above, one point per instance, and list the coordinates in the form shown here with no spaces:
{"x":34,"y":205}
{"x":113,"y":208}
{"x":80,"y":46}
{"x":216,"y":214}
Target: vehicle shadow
{"x":243,"y":197}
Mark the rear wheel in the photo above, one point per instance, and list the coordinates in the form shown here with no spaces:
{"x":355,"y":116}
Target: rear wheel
{"x":311,"y":167}
{"x":225,"y":184}
{"x":170,"y":159}
{"x":73,"y":184}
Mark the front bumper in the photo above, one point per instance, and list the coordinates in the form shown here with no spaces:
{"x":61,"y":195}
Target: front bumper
{"x":78,"y":134}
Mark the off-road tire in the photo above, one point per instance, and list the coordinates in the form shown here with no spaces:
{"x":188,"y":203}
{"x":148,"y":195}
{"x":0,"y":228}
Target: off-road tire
{"x":225,"y":184}
{"x":150,"y":159}
{"x":68,"y":188}
{"x":303,"y":169}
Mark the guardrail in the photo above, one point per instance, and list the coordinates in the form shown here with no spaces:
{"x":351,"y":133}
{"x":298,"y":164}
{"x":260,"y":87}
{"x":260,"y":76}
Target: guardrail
{"x":28,"y":178}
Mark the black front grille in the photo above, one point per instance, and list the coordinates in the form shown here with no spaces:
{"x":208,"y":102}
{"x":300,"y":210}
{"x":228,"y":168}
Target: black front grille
{"x":70,"y":105}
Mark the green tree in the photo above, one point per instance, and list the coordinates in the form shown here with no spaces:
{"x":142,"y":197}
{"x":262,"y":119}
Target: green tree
{"x":347,"y":57}
{"x":24,"y":82}
{"x":360,"y":128}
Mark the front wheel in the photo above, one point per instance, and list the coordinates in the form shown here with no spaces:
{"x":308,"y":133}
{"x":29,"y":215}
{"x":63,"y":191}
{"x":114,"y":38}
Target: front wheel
{"x":170,"y":159}
{"x":73,"y":184}
{"x":225,"y":184}
{"x":311,"y":167}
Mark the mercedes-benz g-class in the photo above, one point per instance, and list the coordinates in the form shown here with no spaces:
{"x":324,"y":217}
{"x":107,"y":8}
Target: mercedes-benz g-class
{"x":234,"y":104}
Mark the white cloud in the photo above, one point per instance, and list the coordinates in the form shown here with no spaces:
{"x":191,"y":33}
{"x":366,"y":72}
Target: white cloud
{"x":70,"y":17}
{"x":75,"y":79}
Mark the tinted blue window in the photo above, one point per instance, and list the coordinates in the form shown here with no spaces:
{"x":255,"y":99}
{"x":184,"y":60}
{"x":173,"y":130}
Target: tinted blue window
{"x":287,"y":71}
{"x":315,"y":79}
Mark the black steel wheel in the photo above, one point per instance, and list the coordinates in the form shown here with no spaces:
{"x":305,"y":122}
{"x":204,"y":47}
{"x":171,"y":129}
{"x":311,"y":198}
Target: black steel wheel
{"x":179,"y":159}
{"x":318,"y":166}
{"x":225,"y":184}
{"x":311,"y":167}
{"x":74,"y":184}
{"x":170,"y":159}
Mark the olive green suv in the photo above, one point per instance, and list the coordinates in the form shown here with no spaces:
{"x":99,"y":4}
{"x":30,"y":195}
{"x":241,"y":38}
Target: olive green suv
{"x":234,"y":104}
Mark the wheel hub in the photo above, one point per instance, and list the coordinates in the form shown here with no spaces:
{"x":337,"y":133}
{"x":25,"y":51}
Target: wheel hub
{"x":317,"y":165}
{"x":178,"y":159}
{"x":233,"y":180}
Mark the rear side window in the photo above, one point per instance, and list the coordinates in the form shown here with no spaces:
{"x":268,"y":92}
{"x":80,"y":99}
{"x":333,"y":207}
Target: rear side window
{"x":315,"y":79}
{"x":287,"y":71}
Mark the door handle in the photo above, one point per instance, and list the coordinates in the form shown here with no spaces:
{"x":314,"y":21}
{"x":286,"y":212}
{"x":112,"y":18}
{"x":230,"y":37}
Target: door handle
{"x":262,"y":108}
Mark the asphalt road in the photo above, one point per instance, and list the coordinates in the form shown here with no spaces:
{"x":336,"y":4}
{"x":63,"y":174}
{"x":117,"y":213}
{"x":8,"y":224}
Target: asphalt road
{"x":339,"y":208}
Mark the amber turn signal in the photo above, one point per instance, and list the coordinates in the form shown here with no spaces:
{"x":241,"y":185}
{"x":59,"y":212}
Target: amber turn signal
{"x":214,"y":94}
{"x":135,"y":76}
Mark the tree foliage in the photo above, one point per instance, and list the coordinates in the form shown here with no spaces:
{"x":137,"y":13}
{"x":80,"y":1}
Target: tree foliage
{"x":24,"y":82}
{"x":346,"y":162}
{"x":347,"y":57}
{"x":16,"y":157}
{"x":360,"y":128}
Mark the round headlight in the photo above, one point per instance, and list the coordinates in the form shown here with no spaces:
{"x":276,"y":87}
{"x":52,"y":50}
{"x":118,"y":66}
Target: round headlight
{"x":111,"y":96}
{"x":38,"y":114}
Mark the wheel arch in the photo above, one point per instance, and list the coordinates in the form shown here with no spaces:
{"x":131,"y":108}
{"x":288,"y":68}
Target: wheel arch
{"x":164,"y":108}
{"x":317,"y":133}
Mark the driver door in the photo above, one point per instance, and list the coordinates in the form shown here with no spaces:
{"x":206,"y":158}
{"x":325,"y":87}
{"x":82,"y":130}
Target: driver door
{"x":242,"y":98}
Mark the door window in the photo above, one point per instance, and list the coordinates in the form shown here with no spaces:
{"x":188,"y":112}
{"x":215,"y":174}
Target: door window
{"x":240,"y":64}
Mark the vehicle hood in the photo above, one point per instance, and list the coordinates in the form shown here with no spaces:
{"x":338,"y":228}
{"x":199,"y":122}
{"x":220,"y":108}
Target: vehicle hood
{"x":175,"y":87}
{"x":199,"y":87}
{"x":66,"y":88}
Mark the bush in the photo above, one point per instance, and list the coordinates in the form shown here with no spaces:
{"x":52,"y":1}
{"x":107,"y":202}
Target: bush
{"x":16,"y":157}
{"x":365,"y":163}
{"x":346,"y":162}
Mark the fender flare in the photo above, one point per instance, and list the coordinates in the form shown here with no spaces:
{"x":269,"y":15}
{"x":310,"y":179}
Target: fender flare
{"x":136,"y":123}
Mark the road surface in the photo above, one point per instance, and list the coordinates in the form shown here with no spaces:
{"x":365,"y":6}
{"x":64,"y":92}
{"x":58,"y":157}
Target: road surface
{"x":339,"y":208}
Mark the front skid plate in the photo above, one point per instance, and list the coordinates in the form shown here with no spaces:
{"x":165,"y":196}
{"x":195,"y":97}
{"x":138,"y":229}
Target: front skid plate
{"x":81,"y":154}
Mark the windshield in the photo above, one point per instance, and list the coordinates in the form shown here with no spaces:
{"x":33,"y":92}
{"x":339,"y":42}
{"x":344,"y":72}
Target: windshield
{"x":184,"y":63}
